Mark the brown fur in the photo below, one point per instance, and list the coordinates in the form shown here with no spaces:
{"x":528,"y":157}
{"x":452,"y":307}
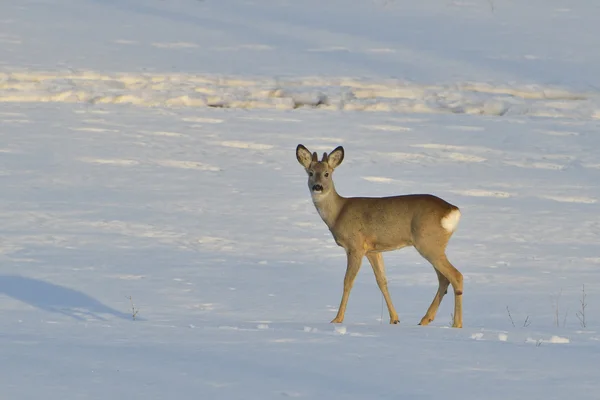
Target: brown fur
{"x":367,"y":226}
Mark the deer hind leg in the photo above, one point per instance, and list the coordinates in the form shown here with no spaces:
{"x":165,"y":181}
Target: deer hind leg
{"x":433,"y":251}
{"x":354,"y":262}
{"x":442,"y":265}
{"x":376,"y":260}
{"x":437,"y":300}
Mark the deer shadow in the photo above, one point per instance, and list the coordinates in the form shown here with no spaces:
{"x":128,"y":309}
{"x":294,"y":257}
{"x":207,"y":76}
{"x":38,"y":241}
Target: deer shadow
{"x":56,"y":299}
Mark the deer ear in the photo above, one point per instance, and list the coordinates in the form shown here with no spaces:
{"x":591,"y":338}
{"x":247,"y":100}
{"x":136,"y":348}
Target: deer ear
{"x":303,"y":155}
{"x":335,"y":157}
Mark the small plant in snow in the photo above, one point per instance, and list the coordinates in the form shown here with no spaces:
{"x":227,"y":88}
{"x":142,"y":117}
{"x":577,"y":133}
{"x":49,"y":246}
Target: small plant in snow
{"x":581,"y":313}
{"x":557,"y":312}
{"x":510,"y":316}
{"x":565,"y":318}
{"x":134,"y":311}
{"x":556,"y":309}
{"x":526,"y":323}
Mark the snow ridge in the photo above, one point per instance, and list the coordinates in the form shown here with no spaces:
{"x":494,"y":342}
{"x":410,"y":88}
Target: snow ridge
{"x":351,"y":94}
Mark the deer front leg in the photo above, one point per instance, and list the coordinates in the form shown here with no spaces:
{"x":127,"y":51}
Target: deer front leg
{"x":376,"y":261}
{"x":354,"y":262}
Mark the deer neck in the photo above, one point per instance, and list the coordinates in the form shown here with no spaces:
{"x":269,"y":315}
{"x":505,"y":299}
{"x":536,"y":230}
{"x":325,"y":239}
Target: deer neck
{"x":329,"y":206}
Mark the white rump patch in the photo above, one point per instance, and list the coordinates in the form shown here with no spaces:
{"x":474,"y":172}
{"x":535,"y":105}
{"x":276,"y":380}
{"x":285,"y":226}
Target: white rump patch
{"x":450,"y":221}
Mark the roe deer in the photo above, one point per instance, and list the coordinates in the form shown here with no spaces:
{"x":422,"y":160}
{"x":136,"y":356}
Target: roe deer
{"x":368,"y":226}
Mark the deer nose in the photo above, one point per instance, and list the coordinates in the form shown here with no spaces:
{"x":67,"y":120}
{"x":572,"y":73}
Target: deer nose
{"x":317,"y":188}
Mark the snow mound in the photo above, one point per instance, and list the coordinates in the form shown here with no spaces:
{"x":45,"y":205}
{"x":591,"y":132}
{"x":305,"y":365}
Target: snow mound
{"x":350,"y":94}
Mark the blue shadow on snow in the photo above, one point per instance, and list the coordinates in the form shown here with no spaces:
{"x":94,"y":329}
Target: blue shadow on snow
{"x":57,"y":299}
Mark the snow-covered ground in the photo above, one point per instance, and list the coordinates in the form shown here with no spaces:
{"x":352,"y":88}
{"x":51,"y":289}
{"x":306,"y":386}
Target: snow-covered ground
{"x":147,"y":160}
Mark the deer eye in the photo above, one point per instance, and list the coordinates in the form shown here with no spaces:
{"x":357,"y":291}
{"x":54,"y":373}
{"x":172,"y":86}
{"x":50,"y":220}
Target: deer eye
{"x":310,"y":173}
{"x":326,"y":174}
